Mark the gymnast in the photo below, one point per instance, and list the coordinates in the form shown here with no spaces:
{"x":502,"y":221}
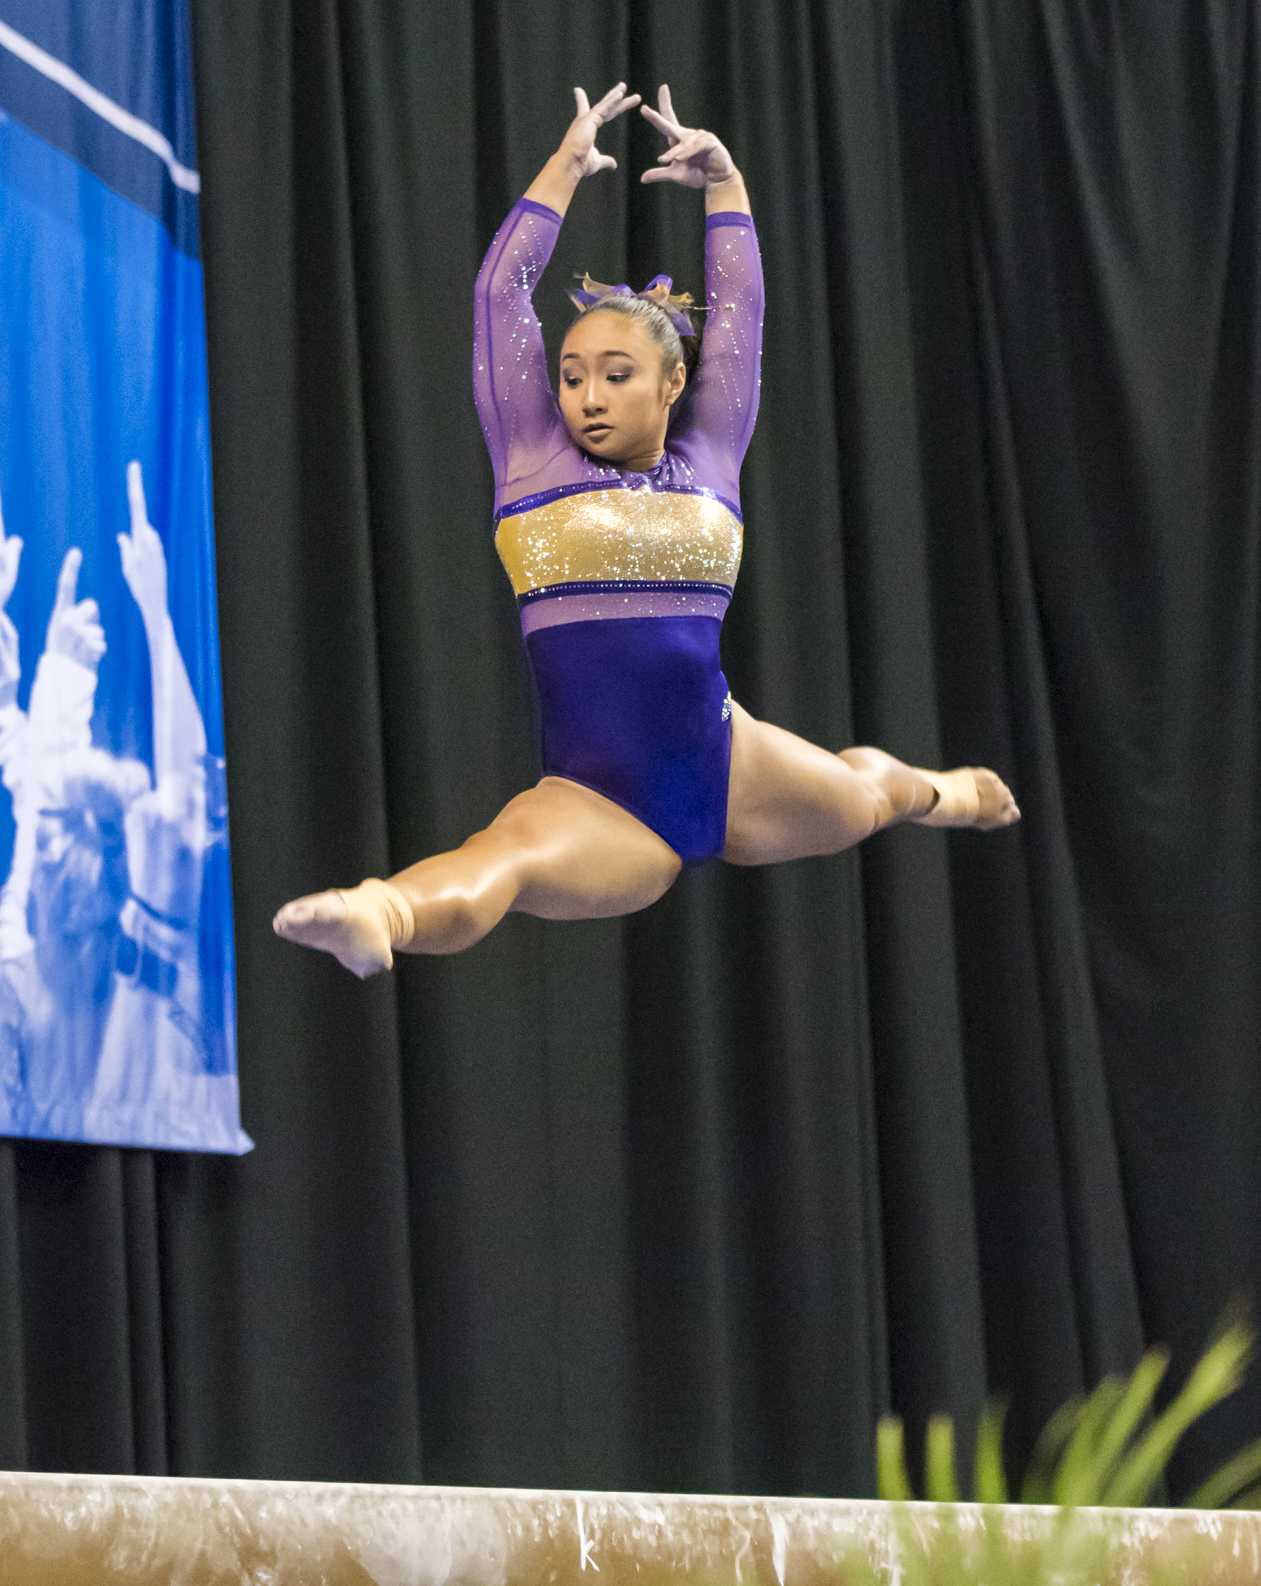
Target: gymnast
{"x":619,"y":525}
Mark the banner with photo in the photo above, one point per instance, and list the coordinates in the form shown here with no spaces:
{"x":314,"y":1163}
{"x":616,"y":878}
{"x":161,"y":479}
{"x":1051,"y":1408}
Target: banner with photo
{"x":117,"y":989}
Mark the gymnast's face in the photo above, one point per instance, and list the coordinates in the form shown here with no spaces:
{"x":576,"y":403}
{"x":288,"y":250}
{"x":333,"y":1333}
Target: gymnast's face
{"x":614,"y":395}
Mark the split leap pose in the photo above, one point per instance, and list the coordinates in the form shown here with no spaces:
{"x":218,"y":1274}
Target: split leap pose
{"x":618,"y":523}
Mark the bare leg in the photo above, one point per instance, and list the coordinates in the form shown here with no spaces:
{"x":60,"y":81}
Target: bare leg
{"x":558,"y":851}
{"x":789,"y":799}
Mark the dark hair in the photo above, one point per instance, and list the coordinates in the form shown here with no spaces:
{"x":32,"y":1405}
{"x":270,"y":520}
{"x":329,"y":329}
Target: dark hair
{"x":675,"y":349}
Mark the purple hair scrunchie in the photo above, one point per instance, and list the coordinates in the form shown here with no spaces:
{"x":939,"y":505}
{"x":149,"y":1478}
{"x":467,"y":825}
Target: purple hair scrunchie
{"x":674,"y":307}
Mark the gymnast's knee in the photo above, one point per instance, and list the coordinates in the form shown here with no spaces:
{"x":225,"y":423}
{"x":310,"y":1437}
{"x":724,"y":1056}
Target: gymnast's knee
{"x":864,"y":759}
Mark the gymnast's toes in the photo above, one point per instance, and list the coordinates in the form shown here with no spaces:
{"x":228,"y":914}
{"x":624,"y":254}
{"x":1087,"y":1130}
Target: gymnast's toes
{"x":297,"y":920}
{"x":349,"y":925}
{"x":970,"y":795}
{"x":996,"y":805}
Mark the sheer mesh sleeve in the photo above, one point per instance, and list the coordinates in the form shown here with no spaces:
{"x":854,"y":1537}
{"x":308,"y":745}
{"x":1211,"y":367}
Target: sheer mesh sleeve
{"x":719,"y":416}
{"x":514,"y":396}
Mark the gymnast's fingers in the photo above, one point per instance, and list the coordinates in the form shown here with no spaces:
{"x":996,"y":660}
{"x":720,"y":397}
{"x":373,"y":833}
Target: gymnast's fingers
{"x":695,"y":143}
{"x":664,"y":127}
{"x":604,"y":107}
{"x":618,"y":109}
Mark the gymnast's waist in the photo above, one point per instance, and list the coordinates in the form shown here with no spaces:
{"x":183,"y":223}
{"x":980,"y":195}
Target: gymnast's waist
{"x":597,"y":600}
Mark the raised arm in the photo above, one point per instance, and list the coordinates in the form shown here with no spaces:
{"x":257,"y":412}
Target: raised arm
{"x":724,"y":401}
{"x":511,"y":388}
{"x":179,"y":733}
{"x":10,"y":656}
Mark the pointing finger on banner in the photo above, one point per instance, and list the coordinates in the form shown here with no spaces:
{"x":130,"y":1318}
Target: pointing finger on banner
{"x":68,"y":580}
{"x":145,"y":541}
{"x":142,"y":552}
{"x":74,"y":629}
{"x":135,"y":497}
{"x":10,"y":556}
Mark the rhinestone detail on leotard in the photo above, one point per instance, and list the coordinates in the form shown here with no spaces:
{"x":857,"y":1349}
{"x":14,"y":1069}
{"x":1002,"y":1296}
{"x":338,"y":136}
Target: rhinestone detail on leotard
{"x":632,"y":535}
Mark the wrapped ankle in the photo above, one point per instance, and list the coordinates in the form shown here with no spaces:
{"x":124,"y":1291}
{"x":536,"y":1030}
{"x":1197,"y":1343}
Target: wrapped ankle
{"x":394,"y":909}
{"x":958,"y":802}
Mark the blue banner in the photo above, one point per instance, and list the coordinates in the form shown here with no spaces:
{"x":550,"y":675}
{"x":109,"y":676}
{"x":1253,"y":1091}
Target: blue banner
{"x":117,"y":988}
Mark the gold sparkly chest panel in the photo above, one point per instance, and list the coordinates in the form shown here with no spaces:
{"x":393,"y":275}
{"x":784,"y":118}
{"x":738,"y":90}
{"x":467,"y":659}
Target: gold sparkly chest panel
{"x":619,"y":536}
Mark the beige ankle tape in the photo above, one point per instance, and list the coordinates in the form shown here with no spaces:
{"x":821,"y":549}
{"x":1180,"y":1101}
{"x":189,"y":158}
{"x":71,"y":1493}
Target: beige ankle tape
{"x":398,"y":910}
{"x":958,"y":802}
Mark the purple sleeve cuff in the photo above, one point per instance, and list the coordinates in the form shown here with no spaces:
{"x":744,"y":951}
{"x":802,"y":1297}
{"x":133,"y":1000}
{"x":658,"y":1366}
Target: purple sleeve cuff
{"x":539,"y":209}
{"x":728,"y":217}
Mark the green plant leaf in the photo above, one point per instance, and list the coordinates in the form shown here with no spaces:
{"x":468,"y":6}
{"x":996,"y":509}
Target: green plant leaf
{"x":1215,"y":1376}
{"x":1133,"y":1405}
{"x":1071,"y":1484}
{"x":893,"y":1484}
{"x":1105,"y":1427}
{"x":990,"y":1482}
{"x":941,"y":1484}
{"x":1036,"y":1487}
{"x":1217,"y":1491}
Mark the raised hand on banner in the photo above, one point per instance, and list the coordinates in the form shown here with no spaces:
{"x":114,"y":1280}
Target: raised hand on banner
{"x":10,"y":652}
{"x":695,"y":157}
{"x":144,"y":559}
{"x":10,"y":556}
{"x":74,"y":629}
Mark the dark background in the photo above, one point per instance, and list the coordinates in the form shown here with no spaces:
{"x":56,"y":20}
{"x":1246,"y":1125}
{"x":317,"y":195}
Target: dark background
{"x":685,"y":1201}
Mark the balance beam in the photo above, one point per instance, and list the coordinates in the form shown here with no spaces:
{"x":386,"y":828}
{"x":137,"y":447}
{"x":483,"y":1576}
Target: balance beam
{"x":102,"y":1530}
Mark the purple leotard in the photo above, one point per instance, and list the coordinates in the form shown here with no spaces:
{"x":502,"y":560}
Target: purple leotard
{"x":623,"y":578}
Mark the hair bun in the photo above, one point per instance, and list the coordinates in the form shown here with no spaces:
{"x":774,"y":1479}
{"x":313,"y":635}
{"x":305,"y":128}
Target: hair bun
{"x":677,"y":307}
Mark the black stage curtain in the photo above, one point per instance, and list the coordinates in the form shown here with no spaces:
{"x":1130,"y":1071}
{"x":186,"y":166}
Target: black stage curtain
{"x":684,"y":1201}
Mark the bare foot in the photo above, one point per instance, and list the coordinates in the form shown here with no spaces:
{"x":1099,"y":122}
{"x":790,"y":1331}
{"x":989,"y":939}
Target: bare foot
{"x":970,"y":796}
{"x":360,"y":926}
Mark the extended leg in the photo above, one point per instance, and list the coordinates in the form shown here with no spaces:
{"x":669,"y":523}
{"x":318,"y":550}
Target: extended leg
{"x":558,"y":851}
{"x":789,"y":799}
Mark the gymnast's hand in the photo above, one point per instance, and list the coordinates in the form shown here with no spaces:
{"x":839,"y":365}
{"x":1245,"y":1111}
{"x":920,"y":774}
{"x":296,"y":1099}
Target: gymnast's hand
{"x":695,"y":157}
{"x":578,"y":144}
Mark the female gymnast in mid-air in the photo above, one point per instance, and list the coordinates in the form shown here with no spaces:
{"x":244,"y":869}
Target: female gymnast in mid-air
{"x":619,"y":526}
